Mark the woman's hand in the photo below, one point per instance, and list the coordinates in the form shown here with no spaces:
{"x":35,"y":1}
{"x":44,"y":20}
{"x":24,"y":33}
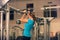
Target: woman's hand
{"x":23,"y":18}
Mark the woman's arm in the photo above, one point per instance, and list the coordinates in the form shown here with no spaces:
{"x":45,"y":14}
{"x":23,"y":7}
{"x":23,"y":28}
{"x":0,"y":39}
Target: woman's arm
{"x":23,"y":19}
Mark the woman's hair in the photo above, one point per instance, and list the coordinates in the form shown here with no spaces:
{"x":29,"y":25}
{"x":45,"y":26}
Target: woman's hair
{"x":33,"y":16}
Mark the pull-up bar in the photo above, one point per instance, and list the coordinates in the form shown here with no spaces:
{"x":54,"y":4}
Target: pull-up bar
{"x":1,"y":23}
{"x":50,"y":7}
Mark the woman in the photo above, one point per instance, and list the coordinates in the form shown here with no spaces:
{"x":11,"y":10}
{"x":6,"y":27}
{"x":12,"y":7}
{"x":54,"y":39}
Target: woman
{"x":29,"y":23}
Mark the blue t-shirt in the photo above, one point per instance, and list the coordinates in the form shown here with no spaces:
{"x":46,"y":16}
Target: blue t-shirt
{"x":27,"y":28}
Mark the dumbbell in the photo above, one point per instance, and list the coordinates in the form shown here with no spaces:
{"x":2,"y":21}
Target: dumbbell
{"x":18,"y":22}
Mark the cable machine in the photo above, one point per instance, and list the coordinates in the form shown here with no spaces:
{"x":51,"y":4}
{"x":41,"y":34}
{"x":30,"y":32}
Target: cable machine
{"x":46,"y":26}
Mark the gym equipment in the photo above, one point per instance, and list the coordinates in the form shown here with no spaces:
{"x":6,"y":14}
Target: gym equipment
{"x":58,"y":35}
{"x":45,"y":22}
{"x":3,"y":2}
{"x":18,"y":22}
{"x":14,"y":36}
{"x":1,"y":24}
{"x":40,"y":21}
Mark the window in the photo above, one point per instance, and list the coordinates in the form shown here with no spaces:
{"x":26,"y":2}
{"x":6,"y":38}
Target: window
{"x":50,"y":12}
{"x":30,"y":5}
{"x":11,"y":14}
{"x":54,"y":12}
{"x":46,"y":13}
{"x":4,"y":16}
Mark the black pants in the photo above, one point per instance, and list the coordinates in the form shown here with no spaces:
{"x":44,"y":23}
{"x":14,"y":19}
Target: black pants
{"x":23,"y":38}
{"x":26,"y":38}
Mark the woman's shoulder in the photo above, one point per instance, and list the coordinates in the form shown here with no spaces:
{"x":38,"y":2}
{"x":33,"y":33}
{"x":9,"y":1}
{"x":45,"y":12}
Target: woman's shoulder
{"x":31,"y":19}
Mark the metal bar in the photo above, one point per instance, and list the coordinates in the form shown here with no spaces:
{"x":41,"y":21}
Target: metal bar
{"x":45,"y":29}
{"x":7,"y":23}
{"x":48,"y":27}
{"x":58,"y":35}
{"x":50,"y":7}
{"x":1,"y":23}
